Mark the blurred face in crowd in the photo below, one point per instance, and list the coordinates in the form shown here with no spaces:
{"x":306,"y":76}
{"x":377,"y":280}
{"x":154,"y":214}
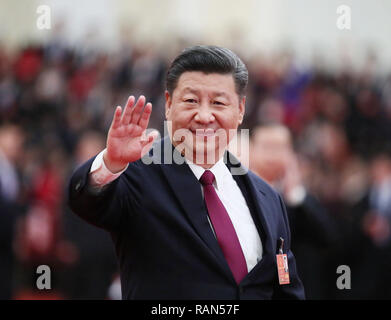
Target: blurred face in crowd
{"x":89,"y":145}
{"x":204,"y":110}
{"x":270,"y":149}
{"x":381,"y":169}
{"x":11,"y":142}
{"x":332,"y":144}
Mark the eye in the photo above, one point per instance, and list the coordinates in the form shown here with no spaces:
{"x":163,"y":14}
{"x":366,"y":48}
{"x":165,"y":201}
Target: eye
{"x":218,"y":103}
{"x":190,"y":100}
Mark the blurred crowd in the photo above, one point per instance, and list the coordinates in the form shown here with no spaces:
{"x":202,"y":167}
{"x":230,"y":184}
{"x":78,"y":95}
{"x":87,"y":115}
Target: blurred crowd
{"x":321,"y":137}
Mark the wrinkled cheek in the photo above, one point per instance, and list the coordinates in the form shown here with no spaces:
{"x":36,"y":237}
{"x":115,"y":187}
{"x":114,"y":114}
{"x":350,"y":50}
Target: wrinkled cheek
{"x":182,"y":135}
{"x":175,"y":126}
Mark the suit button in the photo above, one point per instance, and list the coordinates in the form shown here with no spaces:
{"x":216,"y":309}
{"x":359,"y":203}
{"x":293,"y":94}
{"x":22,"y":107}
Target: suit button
{"x":241,"y":290}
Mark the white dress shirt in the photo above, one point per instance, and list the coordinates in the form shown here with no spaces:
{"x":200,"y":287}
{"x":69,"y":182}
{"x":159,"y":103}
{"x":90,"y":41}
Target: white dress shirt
{"x":228,"y":192}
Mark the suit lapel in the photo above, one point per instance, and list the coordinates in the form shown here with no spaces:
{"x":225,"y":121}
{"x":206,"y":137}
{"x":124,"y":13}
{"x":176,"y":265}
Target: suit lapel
{"x":257,"y":202}
{"x":187,"y":190}
{"x":256,"y":199}
{"x":261,"y":213}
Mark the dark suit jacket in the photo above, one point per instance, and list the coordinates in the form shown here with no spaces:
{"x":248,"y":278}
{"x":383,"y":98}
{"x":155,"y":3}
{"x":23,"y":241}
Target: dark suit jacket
{"x":165,"y":246}
{"x":8,"y":215}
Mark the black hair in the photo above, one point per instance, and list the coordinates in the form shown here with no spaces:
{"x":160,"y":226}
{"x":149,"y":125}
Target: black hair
{"x":208,"y":59}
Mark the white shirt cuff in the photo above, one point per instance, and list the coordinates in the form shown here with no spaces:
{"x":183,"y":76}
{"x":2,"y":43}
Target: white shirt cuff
{"x":99,"y":174}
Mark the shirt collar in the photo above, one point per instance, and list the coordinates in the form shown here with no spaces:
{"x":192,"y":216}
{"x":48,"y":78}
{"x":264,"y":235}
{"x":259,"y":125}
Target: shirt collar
{"x":219,"y":169}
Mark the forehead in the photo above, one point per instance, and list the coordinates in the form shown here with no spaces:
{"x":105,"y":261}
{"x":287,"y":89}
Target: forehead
{"x":195,"y":81}
{"x":276,"y":136}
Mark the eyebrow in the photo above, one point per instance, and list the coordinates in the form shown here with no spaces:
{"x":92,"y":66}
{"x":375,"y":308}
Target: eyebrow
{"x":214,"y":93}
{"x":191,"y":90}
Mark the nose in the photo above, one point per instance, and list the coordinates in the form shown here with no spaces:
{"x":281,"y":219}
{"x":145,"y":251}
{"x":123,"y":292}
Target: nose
{"x":204,"y":115}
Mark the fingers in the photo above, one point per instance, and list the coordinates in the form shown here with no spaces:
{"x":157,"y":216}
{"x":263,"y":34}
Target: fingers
{"x":134,"y":114}
{"x":116,"y":118}
{"x":128,"y":110}
{"x":152,"y":136}
{"x":137,"y":110}
{"x":144,"y":119}
{"x":149,"y":139}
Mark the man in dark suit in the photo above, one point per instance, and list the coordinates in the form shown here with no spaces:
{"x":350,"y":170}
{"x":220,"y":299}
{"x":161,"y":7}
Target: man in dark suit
{"x":314,"y":234}
{"x":187,"y":220}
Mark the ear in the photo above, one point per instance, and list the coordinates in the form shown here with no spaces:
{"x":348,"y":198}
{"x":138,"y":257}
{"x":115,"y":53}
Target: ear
{"x":168,"y":103}
{"x":242,"y":109}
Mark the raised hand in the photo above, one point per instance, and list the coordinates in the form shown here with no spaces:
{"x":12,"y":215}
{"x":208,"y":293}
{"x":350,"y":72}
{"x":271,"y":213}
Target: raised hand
{"x":126,"y":140}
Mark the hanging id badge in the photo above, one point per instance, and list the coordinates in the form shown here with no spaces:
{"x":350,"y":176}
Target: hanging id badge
{"x":282,"y":265}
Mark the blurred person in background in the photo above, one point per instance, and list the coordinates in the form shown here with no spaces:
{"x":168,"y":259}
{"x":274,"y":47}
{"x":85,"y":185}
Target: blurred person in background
{"x":8,"y":216}
{"x":370,"y":246}
{"x":273,"y":158}
{"x":93,"y":266}
{"x":338,"y":176}
{"x":11,"y":143}
{"x":39,"y":239}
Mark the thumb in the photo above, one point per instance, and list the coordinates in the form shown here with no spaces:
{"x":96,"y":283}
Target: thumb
{"x":148,"y":141}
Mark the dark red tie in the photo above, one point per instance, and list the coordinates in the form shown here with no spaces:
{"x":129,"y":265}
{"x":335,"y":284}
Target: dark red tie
{"x":224,"y":230}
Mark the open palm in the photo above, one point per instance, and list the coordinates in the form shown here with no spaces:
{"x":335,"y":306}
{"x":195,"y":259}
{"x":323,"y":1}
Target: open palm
{"x":126,"y":140}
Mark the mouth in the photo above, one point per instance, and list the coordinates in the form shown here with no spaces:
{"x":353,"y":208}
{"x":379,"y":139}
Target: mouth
{"x":209,"y":132}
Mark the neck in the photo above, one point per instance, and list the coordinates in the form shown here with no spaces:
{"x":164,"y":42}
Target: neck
{"x":203,"y":161}
{"x":198,"y":158}
{"x":205,"y":166}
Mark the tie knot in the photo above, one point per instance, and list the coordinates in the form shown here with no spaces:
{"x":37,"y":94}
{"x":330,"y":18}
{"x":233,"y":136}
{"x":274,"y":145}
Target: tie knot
{"x":207,"y":178}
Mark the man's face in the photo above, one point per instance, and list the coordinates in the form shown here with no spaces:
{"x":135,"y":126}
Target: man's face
{"x":270,"y":151}
{"x":204,"y":111}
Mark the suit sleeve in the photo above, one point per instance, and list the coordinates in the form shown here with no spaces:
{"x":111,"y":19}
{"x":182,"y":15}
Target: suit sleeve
{"x":295,"y":289}
{"x":107,"y":208}
{"x":310,"y":220}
